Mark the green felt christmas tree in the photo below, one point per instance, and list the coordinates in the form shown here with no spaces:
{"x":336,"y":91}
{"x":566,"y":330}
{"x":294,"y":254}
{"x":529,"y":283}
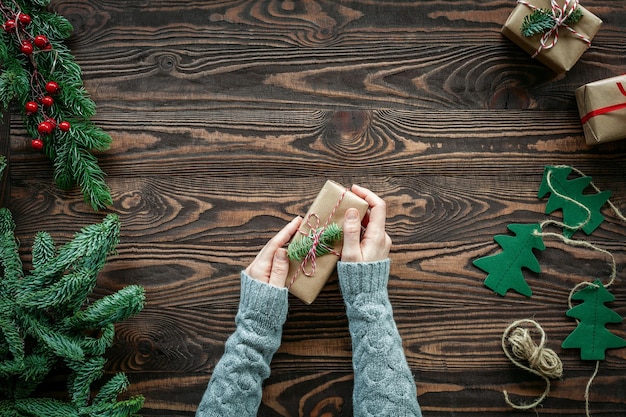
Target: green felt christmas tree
{"x":581,"y":211}
{"x":38,"y":72}
{"x":591,"y":336}
{"x":47,"y":323}
{"x":505,"y":269}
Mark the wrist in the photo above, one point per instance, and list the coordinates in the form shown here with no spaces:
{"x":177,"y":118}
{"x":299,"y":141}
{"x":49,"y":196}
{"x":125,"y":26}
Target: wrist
{"x":266,"y":302}
{"x":363,"y":277}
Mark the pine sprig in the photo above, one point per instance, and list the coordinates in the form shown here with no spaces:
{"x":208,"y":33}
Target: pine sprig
{"x":542,"y":20}
{"x":300,"y":247}
{"x":23,"y":79}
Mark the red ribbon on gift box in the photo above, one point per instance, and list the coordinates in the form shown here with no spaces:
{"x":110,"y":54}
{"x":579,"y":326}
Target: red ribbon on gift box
{"x":607,"y":109}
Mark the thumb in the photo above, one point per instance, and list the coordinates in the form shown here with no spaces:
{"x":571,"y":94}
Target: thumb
{"x":280,"y":268}
{"x":351,"y":251}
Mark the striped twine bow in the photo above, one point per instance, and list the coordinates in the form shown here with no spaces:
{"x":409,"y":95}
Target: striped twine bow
{"x":560,"y":15}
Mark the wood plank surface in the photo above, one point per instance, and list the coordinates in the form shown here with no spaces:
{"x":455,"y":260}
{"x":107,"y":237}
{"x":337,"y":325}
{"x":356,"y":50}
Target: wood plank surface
{"x":228,"y":116}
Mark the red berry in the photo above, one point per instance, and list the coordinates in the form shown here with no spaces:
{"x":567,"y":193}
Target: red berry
{"x":45,"y":128}
{"x":64,"y":126}
{"x":9,"y":25}
{"x":26,"y":48}
{"x":47,"y":101}
{"x":41,"y":41}
{"x":31,"y":107}
{"x":37,"y":144}
{"x":52,"y":122}
{"x":24,"y":18}
{"x":52,"y":87}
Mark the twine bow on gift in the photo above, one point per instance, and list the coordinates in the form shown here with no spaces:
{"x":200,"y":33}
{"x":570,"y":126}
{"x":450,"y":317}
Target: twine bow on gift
{"x":317,"y":242}
{"x":557,"y":17}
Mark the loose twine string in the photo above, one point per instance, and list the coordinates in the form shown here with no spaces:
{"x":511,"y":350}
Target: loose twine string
{"x":315,"y":232}
{"x":544,"y":362}
{"x":560,"y":15}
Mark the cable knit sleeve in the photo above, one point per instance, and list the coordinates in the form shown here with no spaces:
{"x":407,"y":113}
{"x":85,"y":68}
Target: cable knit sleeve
{"x":383,"y":383}
{"x":235,"y":388}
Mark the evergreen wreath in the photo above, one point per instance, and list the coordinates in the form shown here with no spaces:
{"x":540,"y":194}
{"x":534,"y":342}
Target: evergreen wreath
{"x":46,"y":323}
{"x":38,"y":72}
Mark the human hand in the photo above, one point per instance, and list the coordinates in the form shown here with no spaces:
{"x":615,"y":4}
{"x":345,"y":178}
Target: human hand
{"x":375,"y":243}
{"x":271,"y":264}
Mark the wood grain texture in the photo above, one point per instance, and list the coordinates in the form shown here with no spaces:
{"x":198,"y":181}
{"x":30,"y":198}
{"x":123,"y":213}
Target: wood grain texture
{"x":227,"y":118}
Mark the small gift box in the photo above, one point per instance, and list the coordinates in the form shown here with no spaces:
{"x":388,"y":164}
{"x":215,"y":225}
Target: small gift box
{"x":602,"y":109}
{"x":555,"y":32}
{"x":308,"y":275}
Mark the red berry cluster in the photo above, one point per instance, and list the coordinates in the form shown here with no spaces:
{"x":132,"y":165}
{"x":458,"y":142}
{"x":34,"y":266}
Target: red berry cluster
{"x":47,"y":126}
{"x":17,"y":24}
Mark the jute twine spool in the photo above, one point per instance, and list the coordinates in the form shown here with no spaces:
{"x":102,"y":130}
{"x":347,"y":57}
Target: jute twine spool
{"x":518,"y":345}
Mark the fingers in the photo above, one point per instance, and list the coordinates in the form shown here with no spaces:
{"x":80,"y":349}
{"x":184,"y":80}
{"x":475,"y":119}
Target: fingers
{"x":262,"y":266}
{"x":351,"y":251}
{"x":375,"y":243}
{"x":378,"y":207}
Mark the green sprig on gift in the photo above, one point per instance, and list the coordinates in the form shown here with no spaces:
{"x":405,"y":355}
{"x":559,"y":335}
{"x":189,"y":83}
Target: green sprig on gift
{"x":542,"y":20}
{"x":300,"y":247}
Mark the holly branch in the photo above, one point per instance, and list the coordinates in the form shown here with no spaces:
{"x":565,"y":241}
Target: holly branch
{"x":38,"y":71}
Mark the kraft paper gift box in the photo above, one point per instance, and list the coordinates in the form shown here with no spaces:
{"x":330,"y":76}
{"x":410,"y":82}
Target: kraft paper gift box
{"x":602,"y":109}
{"x":568,"y":48}
{"x":306,"y":279}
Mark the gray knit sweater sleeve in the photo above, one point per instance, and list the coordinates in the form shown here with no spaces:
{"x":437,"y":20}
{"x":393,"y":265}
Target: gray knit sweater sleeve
{"x":235,"y":388}
{"x":383,"y":383}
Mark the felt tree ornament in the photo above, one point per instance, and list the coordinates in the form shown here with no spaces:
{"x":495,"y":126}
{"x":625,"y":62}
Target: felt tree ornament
{"x":505,"y":269}
{"x":580,"y":211}
{"x":38,"y":72}
{"x":591,"y":336}
{"x":48,"y":323}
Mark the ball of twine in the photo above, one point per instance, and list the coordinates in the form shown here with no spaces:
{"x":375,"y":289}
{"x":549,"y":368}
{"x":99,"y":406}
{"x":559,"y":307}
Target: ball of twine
{"x":542,"y":361}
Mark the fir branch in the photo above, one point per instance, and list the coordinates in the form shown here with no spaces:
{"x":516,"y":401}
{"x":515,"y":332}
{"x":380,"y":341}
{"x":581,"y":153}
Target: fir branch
{"x":43,"y":249}
{"x":99,"y":345}
{"x":13,"y":338}
{"x":112,"y":308}
{"x":68,"y":292}
{"x":91,"y":245}
{"x":9,"y":254}
{"x":45,"y":407}
{"x":62,"y":346}
{"x":120,"y":409}
{"x":85,"y":373}
{"x":41,"y":323}
{"x":109,"y":391}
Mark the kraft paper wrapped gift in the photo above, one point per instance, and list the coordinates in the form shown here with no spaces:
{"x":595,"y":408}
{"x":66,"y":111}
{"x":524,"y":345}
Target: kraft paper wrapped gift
{"x":568,"y":47}
{"x":306,"y":279}
{"x":602,"y":109}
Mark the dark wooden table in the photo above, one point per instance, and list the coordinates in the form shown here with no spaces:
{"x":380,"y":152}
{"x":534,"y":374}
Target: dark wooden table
{"x":227,"y":118}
